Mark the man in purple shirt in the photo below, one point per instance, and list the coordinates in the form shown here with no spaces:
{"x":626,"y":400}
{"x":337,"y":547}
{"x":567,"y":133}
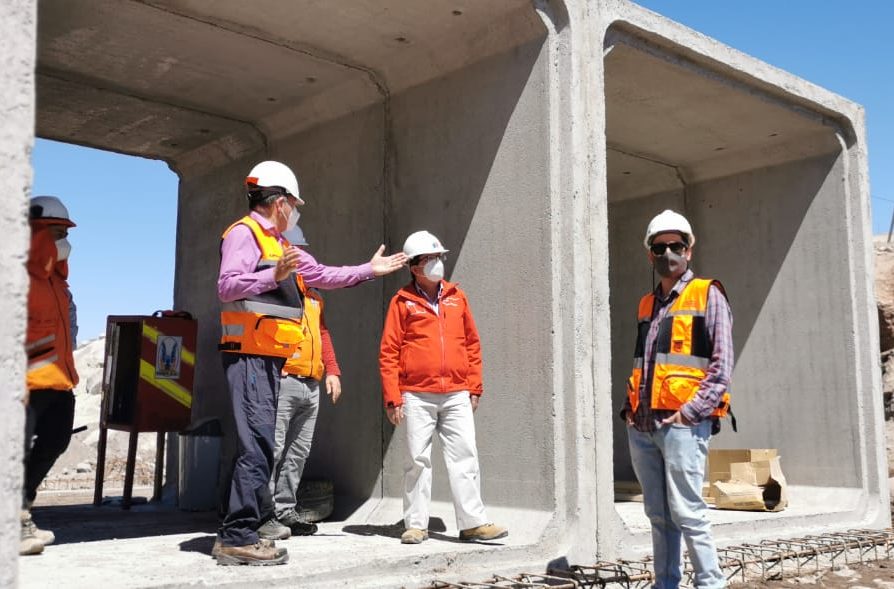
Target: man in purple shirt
{"x":259,"y":288}
{"x":682,"y":368}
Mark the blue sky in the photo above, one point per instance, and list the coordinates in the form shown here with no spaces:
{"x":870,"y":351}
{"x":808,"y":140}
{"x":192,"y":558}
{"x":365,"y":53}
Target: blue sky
{"x":123,"y":248}
{"x":122,"y":258}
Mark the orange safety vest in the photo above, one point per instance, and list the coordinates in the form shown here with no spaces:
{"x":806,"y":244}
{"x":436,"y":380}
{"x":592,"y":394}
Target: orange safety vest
{"x":48,"y":342}
{"x":307,"y":361}
{"x":683,"y":350}
{"x":267,"y":324}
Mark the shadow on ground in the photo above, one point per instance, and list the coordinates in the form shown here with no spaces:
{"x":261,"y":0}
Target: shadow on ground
{"x":86,"y":523}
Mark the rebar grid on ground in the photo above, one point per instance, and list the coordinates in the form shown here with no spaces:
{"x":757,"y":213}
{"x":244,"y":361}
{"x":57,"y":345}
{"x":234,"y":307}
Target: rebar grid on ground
{"x":521,"y":581}
{"x":767,"y":561}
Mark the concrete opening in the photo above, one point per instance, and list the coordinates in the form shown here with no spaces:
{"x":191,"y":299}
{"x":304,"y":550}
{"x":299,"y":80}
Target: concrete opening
{"x":139,"y":217}
{"x":341,"y":95}
{"x":763,"y":181}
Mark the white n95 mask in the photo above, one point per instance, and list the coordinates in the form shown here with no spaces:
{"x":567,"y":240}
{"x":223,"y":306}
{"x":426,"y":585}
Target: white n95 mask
{"x":63,"y":249}
{"x":293,"y":219}
{"x":434,"y":270}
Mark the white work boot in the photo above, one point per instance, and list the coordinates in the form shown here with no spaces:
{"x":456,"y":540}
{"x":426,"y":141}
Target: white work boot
{"x":45,"y":536}
{"x":28,"y":542}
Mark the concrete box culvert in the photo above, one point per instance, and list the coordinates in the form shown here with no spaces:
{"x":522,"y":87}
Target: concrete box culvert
{"x":536,"y":141}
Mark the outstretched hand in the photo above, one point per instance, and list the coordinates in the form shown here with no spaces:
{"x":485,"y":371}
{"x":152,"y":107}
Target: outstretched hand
{"x":382,"y":265}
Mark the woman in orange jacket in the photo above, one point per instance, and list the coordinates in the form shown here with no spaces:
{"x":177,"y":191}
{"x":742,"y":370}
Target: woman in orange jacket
{"x":51,"y":373}
{"x":430,"y":364}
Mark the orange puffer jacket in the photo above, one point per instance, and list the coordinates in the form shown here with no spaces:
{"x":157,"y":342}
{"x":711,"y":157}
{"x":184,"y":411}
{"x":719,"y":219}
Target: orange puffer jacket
{"x":48,"y":342}
{"x":426,"y":352}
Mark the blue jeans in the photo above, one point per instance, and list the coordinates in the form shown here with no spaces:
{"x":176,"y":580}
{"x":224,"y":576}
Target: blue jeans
{"x":670,"y":466}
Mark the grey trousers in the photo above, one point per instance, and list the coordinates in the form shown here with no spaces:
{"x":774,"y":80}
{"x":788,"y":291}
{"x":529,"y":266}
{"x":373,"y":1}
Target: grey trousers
{"x":296,"y":418}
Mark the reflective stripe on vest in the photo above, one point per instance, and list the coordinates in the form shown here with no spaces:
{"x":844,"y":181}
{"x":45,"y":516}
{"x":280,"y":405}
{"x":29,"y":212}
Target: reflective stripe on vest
{"x":307,"y":361}
{"x":267,"y":324}
{"x":683,"y":350}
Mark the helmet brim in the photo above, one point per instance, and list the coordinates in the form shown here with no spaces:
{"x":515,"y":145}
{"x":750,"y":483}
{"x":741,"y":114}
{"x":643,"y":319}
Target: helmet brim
{"x":47,"y":221}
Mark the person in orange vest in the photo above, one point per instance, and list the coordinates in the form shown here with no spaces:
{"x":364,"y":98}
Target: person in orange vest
{"x":430,"y":365}
{"x":51,"y":375}
{"x":260,"y":286}
{"x":299,"y":403}
{"x":676,"y":393}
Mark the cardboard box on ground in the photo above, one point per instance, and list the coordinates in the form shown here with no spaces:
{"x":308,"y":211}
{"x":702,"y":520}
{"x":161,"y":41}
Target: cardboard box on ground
{"x":747,"y":479}
{"x":741,"y":479}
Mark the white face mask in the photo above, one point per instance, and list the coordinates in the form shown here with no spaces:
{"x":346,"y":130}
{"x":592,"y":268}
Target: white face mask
{"x":292,"y":219}
{"x":63,"y":249}
{"x":434,"y":270}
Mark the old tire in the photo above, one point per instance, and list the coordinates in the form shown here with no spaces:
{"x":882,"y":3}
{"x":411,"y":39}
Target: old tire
{"x":316,"y":500}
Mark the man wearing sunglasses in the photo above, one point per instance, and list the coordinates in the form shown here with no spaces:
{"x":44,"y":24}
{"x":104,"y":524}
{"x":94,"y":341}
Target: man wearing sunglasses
{"x":676,"y":393}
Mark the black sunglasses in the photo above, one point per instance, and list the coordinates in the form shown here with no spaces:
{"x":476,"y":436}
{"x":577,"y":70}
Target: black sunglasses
{"x":658,"y":249}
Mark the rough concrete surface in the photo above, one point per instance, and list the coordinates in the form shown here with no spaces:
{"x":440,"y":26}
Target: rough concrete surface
{"x":17,"y":59}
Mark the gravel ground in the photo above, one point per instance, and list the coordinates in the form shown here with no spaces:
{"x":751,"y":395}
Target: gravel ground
{"x":874,"y":575}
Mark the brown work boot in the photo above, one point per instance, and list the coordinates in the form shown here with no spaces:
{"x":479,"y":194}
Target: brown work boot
{"x":215,"y":550}
{"x":414,"y":536}
{"x":483,"y":533}
{"x":258,"y":554}
{"x":45,"y":536}
{"x":28,"y":542}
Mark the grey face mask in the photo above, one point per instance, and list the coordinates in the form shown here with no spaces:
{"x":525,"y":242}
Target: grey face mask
{"x":670,"y":264}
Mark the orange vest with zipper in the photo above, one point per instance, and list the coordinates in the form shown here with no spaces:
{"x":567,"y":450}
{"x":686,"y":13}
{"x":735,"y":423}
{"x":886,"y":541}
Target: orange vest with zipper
{"x":268,"y":324}
{"x":48,"y":341}
{"x":307,"y":361}
{"x":683,"y":350}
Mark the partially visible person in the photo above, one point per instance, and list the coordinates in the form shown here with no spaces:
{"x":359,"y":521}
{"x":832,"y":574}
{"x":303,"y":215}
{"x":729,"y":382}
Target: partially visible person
{"x":299,"y":404}
{"x":676,"y":393}
{"x":260,"y":287}
{"x":49,"y":344}
{"x":430,"y":365}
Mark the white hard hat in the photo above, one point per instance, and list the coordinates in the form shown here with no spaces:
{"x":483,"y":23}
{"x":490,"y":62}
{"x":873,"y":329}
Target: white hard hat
{"x":49,"y":209}
{"x":669,"y":221}
{"x":421,"y":243}
{"x":270,"y":174}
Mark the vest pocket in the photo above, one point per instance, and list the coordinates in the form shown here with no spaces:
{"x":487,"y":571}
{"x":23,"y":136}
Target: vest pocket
{"x":278,"y":331}
{"x":677,"y":389}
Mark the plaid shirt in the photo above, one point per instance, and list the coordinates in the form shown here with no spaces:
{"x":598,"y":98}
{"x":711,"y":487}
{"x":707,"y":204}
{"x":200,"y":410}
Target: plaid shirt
{"x":719,"y":322}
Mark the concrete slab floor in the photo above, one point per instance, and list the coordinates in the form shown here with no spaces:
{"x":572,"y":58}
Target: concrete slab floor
{"x":156,"y":545}
{"x":804,"y":502}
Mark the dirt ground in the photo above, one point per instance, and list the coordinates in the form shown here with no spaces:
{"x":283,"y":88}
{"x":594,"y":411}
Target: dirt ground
{"x":874,"y":575}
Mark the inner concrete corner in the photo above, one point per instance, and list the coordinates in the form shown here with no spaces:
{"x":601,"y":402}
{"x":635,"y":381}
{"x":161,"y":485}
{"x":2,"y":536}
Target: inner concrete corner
{"x":536,"y":140}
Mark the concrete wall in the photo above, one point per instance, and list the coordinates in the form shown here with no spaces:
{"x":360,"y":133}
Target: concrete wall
{"x":770,"y":236}
{"x":366,"y":185}
{"x":17,"y":41}
{"x":340,"y":168}
{"x":477,"y":178}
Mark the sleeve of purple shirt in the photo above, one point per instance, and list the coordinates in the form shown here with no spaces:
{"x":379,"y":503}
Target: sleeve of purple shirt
{"x":317,"y":275}
{"x":719,"y":321}
{"x":239,"y":255}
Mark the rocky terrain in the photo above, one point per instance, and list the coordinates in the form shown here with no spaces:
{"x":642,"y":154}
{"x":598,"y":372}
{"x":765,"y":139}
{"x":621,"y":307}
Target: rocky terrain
{"x":76,"y":469}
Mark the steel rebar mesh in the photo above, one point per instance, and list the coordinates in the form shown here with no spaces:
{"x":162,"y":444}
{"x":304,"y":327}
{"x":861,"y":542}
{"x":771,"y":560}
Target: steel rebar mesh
{"x":765,"y":561}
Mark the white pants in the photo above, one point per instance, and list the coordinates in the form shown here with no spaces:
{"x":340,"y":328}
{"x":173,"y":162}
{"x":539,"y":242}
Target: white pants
{"x":451,"y":415}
